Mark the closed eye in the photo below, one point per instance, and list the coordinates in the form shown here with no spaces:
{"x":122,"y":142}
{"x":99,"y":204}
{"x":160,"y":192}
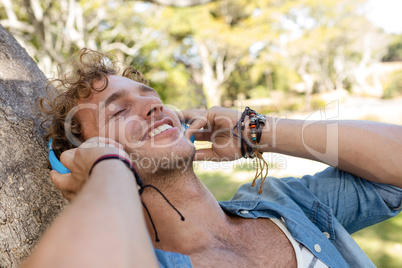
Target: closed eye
{"x":118,"y":113}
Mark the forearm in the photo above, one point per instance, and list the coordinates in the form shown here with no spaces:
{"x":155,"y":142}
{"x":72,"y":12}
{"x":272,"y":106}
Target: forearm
{"x":370,"y":150}
{"x":103,"y":226}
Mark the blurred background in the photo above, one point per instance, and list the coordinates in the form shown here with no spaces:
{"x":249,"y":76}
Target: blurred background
{"x":320,"y":59}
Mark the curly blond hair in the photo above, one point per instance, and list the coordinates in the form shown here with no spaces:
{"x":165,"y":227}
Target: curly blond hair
{"x":75,"y":82}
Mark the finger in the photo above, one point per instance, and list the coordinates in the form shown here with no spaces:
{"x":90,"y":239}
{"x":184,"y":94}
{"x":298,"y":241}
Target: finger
{"x":63,"y":182}
{"x":179,"y":114}
{"x":67,"y":157}
{"x":205,"y":155}
{"x":195,"y":126}
{"x":188,"y":116}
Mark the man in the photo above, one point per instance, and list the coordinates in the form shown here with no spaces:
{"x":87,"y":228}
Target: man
{"x":293,"y":223}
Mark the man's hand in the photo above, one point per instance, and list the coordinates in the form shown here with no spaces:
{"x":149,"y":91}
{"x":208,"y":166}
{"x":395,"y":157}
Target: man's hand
{"x":214,"y":125}
{"x":105,"y":225}
{"x":79,"y":161}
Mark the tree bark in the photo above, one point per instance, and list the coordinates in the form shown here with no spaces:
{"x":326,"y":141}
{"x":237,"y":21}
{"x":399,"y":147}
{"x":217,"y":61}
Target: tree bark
{"x":28,"y":200}
{"x":210,"y":83}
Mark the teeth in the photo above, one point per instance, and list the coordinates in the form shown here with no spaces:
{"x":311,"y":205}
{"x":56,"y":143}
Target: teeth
{"x":159,"y":129}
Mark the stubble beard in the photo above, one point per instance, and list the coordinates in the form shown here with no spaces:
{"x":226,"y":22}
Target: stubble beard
{"x":162,"y":166}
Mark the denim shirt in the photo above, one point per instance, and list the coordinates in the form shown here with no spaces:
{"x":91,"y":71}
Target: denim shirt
{"x":320,"y":211}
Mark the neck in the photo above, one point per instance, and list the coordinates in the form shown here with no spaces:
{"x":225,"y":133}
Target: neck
{"x":204,"y":218}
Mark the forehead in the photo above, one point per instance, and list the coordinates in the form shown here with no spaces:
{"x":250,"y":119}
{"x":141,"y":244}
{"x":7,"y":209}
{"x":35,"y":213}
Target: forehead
{"x":115,"y":83}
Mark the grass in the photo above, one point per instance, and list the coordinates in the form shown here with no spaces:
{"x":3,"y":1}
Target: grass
{"x":381,"y":242}
{"x":222,"y":185}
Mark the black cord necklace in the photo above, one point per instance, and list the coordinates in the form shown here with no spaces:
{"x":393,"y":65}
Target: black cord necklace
{"x":141,"y":191}
{"x":140,"y":183}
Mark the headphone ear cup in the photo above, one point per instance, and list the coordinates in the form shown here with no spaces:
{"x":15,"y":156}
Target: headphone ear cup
{"x":54,"y":162}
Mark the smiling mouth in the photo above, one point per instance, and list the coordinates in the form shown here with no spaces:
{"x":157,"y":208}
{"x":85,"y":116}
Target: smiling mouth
{"x":159,"y":130}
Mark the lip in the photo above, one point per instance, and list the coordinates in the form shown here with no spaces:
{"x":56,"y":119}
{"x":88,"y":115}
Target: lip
{"x":163,"y":121}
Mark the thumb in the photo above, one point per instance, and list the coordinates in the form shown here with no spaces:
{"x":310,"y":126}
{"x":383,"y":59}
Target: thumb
{"x":63,"y":182}
{"x":67,"y":157}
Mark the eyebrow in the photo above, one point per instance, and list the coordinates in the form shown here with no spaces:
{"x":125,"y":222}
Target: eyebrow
{"x":115,"y":96}
{"x":144,"y":88}
{"x":124,"y":93}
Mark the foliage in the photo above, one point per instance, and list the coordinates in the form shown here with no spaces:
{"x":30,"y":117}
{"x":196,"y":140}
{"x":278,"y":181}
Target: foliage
{"x":334,"y":46}
{"x":318,"y":103}
{"x":382,"y":242}
{"x":394,"y":86}
{"x":53,"y":31}
{"x":216,"y":41}
{"x":203,"y":55}
{"x":394,"y":49}
{"x":220,"y":184}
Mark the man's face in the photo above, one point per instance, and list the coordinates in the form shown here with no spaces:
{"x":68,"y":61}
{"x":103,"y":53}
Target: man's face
{"x":133,"y":115}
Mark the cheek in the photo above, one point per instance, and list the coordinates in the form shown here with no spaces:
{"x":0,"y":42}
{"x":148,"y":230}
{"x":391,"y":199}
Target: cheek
{"x":108,"y":131}
{"x":113,"y":130}
{"x":88,"y":124}
{"x":128,"y":130}
{"x":170,"y":113}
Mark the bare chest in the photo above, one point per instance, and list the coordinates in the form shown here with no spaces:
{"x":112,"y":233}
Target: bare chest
{"x":260,"y":243}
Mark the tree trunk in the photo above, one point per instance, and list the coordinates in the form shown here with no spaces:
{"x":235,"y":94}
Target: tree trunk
{"x":308,"y":81}
{"x":212,"y":92}
{"x":210,"y":83}
{"x":28,"y":200}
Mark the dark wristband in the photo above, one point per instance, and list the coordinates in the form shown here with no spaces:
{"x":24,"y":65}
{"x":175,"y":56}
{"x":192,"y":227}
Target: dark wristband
{"x":121,"y":158}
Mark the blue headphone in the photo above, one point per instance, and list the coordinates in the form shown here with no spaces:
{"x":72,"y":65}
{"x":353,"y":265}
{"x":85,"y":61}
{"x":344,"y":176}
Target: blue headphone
{"x":58,"y":166}
{"x":54,"y":162}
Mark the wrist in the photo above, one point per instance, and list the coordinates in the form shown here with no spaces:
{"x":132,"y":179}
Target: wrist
{"x":253,"y":129}
{"x":266,"y":132}
{"x":108,"y":166}
{"x":122,"y":160}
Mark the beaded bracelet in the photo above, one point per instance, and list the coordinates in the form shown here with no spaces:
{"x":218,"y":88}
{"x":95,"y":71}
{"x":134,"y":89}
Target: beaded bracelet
{"x":252,"y":150}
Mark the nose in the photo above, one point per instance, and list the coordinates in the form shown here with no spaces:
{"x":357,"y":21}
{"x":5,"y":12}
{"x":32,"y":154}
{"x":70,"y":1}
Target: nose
{"x":154,"y":109}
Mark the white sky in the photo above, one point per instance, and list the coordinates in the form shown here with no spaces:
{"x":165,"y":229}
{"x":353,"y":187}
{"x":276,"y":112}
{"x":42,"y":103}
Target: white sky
{"x":386,"y":14}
